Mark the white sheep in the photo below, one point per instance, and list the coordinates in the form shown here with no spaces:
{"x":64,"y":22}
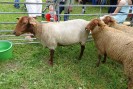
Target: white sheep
{"x":52,"y":34}
{"x":113,"y":43}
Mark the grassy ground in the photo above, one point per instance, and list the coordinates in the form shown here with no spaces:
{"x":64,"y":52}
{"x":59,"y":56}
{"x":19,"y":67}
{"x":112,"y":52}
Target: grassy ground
{"x":28,"y":69}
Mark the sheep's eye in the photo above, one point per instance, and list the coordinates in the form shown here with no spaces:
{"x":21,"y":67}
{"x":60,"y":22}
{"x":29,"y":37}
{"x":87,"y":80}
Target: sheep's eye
{"x":24,"y":23}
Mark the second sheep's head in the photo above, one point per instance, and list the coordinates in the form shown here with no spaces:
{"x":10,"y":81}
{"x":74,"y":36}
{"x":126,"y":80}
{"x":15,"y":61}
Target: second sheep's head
{"x":109,"y":20}
{"x":95,"y":24}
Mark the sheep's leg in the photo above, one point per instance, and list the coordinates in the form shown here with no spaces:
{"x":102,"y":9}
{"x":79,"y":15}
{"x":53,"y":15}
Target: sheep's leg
{"x":51,"y":56}
{"x":130,"y":83}
{"x":99,"y":59}
{"x":81,"y":52}
{"x":105,"y":56}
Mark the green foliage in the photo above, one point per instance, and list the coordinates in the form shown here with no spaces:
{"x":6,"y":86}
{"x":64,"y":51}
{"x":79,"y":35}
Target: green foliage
{"x":29,"y":69}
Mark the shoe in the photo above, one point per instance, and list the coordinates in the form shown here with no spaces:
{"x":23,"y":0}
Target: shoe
{"x":66,"y":17}
{"x":83,"y":11}
{"x":17,"y":7}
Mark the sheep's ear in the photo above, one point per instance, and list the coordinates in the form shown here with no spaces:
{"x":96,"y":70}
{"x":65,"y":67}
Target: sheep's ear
{"x":95,"y":22}
{"x":32,"y":21}
{"x":109,"y":19}
{"x":112,"y":20}
{"x":92,"y":24}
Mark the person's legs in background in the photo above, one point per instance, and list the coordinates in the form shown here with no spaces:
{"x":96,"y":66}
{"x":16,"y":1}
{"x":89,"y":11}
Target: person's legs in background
{"x":31,"y":9}
{"x":83,"y":8}
{"x":16,"y":4}
{"x":66,"y":13}
{"x":66,"y":16}
{"x":38,"y":8}
{"x":94,"y":2}
{"x":67,"y":9}
{"x":103,"y":2}
{"x":61,"y":8}
{"x":112,"y":8}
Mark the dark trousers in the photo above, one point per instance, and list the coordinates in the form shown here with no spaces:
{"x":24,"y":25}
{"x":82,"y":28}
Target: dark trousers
{"x":84,"y":2}
{"x":61,"y":8}
{"x":16,"y":5}
{"x":112,"y":9}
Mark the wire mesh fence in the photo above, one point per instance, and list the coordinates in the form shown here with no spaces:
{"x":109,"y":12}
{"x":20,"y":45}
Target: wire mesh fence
{"x":8,"y":18}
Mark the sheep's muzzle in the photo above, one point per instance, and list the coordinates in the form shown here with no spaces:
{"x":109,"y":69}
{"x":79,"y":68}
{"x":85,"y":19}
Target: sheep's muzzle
{"x":16,"y":34}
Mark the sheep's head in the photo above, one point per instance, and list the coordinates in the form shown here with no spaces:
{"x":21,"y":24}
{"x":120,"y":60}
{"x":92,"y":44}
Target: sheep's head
{"x":95,"y":24}
{"x":25,"y":25}
{"x":109,"y":21}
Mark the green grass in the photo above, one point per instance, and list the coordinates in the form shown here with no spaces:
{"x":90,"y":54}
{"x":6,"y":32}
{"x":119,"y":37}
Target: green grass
{"x":29,"y":69}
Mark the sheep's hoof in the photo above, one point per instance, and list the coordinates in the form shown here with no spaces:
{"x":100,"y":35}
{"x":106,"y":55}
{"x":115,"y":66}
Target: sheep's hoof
{"x":97,"y":64}
{"x":103,"y":61}
{"x":79,"y":58}
{"x":50,"y":63}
